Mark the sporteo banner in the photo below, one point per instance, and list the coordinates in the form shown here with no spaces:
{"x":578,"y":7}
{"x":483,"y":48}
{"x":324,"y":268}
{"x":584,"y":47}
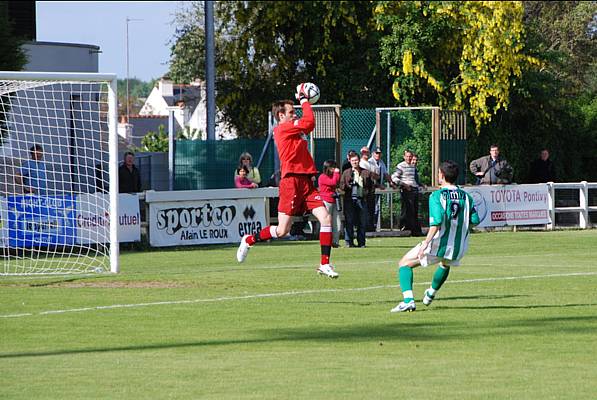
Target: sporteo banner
{"x":501,"y":205}
{"x":176,"y":223}
{"x":93,"y":220}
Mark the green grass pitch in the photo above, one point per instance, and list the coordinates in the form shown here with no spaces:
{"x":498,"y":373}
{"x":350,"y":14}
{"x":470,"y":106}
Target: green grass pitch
{"x":518,"y":320}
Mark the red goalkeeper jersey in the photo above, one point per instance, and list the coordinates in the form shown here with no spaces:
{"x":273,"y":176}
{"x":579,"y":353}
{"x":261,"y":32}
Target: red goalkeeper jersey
{"x":291,"y":140}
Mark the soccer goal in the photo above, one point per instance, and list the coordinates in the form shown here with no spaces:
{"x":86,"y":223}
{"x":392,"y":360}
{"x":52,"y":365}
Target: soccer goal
{"x":58,"y":173}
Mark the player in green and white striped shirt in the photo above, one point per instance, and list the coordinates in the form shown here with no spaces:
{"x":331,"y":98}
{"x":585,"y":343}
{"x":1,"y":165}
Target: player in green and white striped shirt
{"x":451,"y":214}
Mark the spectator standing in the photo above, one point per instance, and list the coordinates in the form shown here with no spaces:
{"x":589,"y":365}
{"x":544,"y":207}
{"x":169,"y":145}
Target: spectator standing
{"x":246,"y":160}
{"x":405,"y":178}
{"x":129,"y":178}
{"x":346,"y":164}
{"x":34,"y":172}
{"x":364,"y":161}
{"x":241,"y":181}
{"x":356,"y":183}
{"x":380,"y":169}
{"x":492,"y":169}
{"x":328,"y":184}
{"x":542,"y":169}
{"x":414,"y":162}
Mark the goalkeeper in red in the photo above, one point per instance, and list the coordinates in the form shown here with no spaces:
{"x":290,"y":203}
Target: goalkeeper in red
{"x":451,"y":214}
{"x":297,"y":193}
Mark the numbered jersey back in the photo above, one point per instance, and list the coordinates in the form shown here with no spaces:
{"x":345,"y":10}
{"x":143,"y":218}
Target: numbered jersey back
{"x":451,"y":209}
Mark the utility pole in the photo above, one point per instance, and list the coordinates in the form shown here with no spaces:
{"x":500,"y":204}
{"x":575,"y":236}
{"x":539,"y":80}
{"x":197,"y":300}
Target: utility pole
{"x":210,"y":70}
{"x":127,"y":65}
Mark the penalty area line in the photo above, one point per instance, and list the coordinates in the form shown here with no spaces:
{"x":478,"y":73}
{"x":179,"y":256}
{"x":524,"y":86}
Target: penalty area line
{"x":283,"y":294}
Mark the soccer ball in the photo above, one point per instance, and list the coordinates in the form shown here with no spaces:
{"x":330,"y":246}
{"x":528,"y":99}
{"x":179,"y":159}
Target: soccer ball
{"x":311,"y":90}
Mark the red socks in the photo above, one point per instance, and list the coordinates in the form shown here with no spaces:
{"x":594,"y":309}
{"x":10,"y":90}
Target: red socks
{"x":325,"y":240}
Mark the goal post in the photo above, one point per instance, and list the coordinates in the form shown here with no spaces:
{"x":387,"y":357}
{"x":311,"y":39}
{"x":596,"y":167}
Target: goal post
{"x":58,"y":173}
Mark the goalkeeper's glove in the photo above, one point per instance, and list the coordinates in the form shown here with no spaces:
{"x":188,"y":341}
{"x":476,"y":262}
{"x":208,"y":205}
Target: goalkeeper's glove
{"x":300,"y":93}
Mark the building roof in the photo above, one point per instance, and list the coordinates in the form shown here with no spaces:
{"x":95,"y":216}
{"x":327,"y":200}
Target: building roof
{"x":189,"y":94}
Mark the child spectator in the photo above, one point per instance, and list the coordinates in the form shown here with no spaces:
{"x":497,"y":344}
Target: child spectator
{"x":246,"y":160}
{"x":241,"y":180}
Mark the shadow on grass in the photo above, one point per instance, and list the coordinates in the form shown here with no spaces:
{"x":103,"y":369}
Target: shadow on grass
{"x":520,"y":307}
{"x":481,"y":297}
{"x":400,"y":327}
{"x":392,"y":331}
{"x":419,"y":308}
{"x":53,"y":282}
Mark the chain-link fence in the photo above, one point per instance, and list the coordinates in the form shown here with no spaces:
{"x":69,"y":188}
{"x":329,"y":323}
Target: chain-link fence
{"x":211,"y":164}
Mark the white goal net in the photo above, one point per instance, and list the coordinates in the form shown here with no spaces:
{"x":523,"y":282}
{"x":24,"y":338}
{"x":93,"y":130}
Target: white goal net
{"x":58,"y":173}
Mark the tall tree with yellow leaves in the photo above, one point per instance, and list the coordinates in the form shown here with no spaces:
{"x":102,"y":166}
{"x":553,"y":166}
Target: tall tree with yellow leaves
{"x":462,"y":55}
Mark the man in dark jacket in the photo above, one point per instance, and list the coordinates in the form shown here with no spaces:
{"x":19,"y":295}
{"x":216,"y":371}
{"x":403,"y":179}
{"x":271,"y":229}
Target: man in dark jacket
{"x":542,"y":169}
{"x":129,"y":179}
{"x":492,"y":169}
{"x":356,"y":183}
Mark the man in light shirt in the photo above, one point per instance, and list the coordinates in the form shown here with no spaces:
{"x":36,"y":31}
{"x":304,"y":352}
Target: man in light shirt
{"x":405,"y":178}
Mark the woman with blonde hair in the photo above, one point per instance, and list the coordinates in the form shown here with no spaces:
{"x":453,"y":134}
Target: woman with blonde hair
{"x":246,"y":160}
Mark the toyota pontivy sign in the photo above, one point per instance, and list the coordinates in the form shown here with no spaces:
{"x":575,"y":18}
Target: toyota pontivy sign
{"x":501,"y":205}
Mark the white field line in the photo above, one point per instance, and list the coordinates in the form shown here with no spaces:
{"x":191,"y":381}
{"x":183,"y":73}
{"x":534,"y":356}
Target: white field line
{"x":16,"y":278}
{"x":281,"y":294}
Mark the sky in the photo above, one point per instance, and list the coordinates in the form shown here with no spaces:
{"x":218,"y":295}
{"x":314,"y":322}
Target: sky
{"x":104,"y":24}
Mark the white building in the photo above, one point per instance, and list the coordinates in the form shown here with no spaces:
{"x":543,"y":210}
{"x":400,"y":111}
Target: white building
{"x":190,"y":107}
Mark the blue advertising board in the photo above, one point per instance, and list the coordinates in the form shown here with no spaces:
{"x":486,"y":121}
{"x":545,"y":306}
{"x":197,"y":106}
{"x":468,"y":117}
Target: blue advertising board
{"x":39,"y":221}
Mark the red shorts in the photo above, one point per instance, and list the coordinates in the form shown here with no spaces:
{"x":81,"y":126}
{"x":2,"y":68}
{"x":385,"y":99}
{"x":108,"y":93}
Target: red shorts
{"x":298,"y":195}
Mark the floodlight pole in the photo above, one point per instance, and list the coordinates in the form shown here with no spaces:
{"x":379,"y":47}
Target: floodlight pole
{"x":127,"y":64}
{"x":210,"y":70}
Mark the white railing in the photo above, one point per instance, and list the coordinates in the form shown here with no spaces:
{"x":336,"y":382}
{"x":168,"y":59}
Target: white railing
{"x":583,"y":207}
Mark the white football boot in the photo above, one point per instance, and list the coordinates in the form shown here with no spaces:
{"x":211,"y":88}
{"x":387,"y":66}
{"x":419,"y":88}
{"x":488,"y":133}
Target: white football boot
{"x":243,"y":249}
{"x":427,"y":299}
{"x":402,"y":307}
{"x":327,"y":270}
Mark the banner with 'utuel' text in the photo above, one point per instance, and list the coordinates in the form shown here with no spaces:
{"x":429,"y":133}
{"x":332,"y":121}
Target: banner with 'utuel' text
{"x":501,"y":205}
{"x":192,"y":222}
{"x":39,"y":221}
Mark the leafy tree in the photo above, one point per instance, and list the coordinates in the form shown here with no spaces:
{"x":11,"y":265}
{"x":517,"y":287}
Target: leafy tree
{"x":158,"y":141}
{"x":463,"y":55}
{"x":187,"y":52}
{"x":553,"y":107}
{"x":12,"y":58}
{"x":189,"y":133}
{"x":265,"y":48}
{"x":154,"y":141}
{"x":564,"y":32}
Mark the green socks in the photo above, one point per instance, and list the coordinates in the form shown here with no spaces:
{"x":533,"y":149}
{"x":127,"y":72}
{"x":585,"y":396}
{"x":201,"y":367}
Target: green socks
{"x":439,"y":277}
{"x":405,"y":276}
